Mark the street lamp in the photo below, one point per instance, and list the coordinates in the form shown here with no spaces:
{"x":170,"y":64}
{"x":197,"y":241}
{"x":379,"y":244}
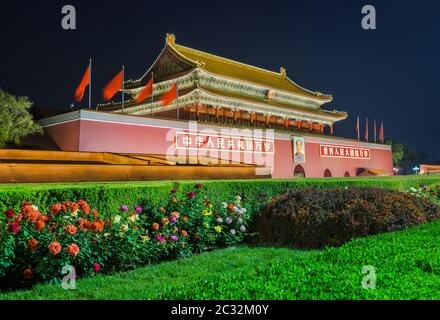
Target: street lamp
{"x":416,"y":170}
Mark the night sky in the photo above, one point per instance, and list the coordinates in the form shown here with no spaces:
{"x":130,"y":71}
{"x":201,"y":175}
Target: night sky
{"x":391,"y":74}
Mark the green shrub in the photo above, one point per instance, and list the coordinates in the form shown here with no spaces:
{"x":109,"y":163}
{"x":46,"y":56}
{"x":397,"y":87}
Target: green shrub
{"x":316,"y":218}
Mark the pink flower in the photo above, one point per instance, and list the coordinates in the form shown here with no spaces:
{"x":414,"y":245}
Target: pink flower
{"x":123,"y":208}
{"x":160,"y":238}
{"x":174,"y":238}
{"x":191,"y":195}
{"x":96,"y":267}
{"x":138,"y":209}
{"x":10,"y":213}
{"x":173,"y":219}
{"x":13,"y":227}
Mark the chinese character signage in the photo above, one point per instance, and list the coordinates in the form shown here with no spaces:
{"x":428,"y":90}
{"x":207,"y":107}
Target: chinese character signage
{"x":299,"y":150}
{"x":232,"y":143}
{"x":334,"y":151}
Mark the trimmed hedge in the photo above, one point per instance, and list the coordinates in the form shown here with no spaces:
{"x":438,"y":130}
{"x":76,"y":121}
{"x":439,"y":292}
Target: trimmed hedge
{"x":105,"y":197}
{"x":316,"y":218}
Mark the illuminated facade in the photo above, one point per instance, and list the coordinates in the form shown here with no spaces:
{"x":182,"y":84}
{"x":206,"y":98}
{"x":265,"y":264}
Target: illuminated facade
{"x":225,"y":110}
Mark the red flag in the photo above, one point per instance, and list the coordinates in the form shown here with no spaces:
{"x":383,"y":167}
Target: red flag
{"x":331,"y":129}
{"x":381,"y":133}
{"x":170,"y":96}
{"x":79,"y":93}
{"x":357,"y":129}
{"x":375,"y":132}
{"x":366,"y":129}
{"x":113,"y":87}
{"x":146,"y":92}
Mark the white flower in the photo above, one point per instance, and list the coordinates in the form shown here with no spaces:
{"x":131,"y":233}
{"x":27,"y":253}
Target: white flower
{"x":34,"y":207}
{"x":117,"y":219}
{"x":224,"y":204}
{"x":243,"y":229}
{"x":235,"y":209}
{"x":233,"y":232}
{"x":132,"y":219}
{"x":106,"y":235}
{"x":124,"y":228}
{"x":238,"y":198}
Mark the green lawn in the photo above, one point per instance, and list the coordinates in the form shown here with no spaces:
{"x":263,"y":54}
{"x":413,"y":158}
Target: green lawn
{"x":407,"y":266}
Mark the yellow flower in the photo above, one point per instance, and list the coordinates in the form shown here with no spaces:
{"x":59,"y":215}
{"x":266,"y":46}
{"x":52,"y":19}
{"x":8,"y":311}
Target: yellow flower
{"x":117,"y":219}
{"x":218,"y":229}
{"x":124,"y":228}
{"x":145,"y":238}
{"x":207,"y":212}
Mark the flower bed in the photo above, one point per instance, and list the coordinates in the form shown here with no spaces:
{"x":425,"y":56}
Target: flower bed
{"x":35,"y":246}
{"x":431,"y":192}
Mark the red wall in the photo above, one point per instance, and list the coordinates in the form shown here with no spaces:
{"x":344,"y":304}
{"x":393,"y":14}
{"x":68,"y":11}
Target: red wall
{"x":124,"y":137}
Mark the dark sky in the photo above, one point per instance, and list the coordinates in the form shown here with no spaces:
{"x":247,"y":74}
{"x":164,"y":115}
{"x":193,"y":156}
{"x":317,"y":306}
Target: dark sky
{"x":391,"y":74}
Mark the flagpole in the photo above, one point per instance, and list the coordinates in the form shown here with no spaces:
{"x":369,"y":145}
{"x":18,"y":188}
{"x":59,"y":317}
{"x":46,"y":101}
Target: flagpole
{"x":123,"y":80}
{"x":90,"y":85}
{"x":152,"y":92}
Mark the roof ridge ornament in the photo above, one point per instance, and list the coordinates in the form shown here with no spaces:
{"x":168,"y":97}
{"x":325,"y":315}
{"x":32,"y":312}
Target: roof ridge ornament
{"x":171,"y":39}
{"x":283,"y":72}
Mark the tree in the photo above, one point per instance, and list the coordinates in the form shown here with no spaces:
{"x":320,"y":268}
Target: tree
{"x":15,"y":120}
{"x":397,"y":150}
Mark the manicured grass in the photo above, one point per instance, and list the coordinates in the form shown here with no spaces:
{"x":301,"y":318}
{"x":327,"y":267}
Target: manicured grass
{"x":146,"y":283}
{"x":407,"y":266}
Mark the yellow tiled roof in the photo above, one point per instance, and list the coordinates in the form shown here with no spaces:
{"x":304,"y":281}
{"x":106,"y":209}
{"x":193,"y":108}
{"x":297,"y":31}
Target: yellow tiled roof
{"x":240,"y":71}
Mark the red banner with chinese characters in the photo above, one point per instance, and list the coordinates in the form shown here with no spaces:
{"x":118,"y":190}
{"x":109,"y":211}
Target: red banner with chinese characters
{"x":334,"y":151}
{"x":231,"y":143}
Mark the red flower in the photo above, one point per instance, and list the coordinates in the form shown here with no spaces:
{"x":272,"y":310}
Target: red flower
{"x":73,"y":250}
{"x":10,"y":214}
{"x":14,"y":227}
{"x":191,"y":194}
{"x":39,"y":225}
{"x":174,"y":191}
{"x":71,"y":230}
{"x":198,"y":186}
{"x":33,"y":244}
{"x":28,"y":274}
{"x":95,"y":213}
{"x":55,"y":209}
{"x":84,"y":206}
{"x":96,"y":267}
{"x":173,"y":200}
{"x":54,"y":248}
{"x":72,"y":206}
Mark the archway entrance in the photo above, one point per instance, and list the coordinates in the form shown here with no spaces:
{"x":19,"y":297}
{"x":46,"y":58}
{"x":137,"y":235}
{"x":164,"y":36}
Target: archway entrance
{"x":299,"y":172}
{"x":346,"y":174}
{"x":327,"y":173}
